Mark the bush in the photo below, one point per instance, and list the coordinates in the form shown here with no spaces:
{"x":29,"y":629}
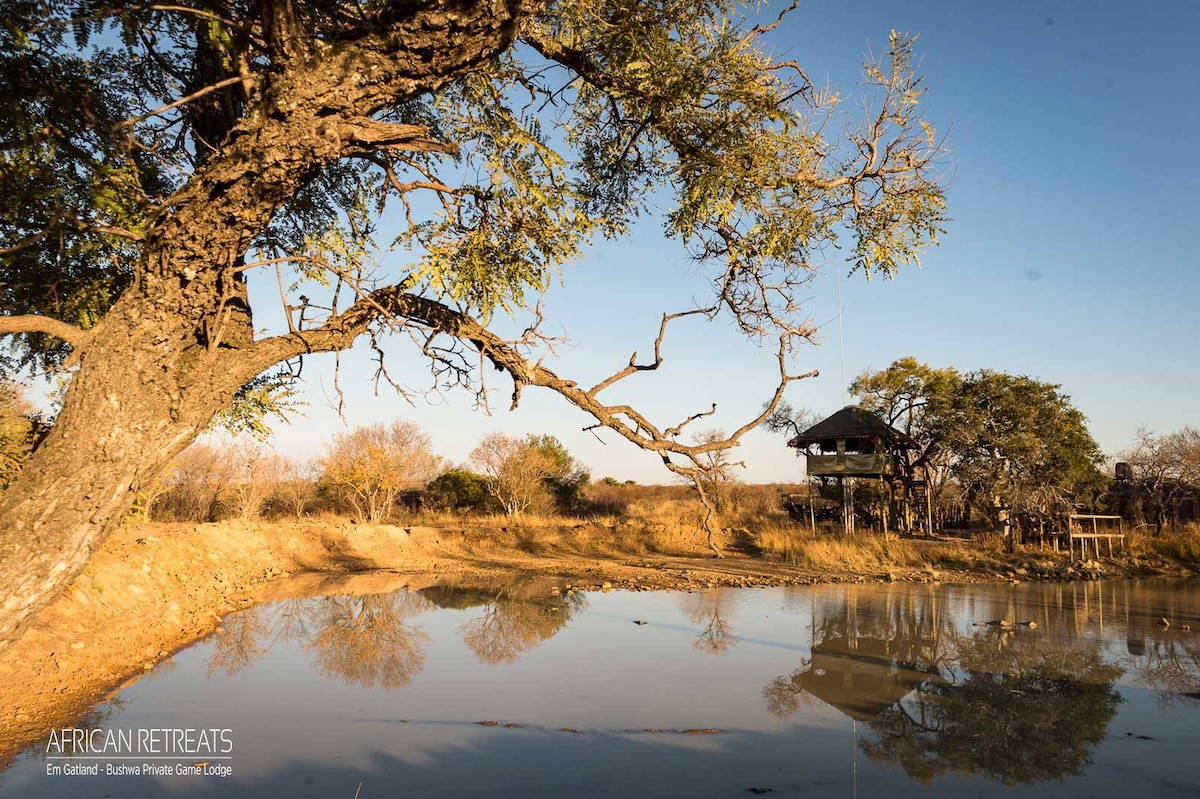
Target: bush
{"x":459,"y":491}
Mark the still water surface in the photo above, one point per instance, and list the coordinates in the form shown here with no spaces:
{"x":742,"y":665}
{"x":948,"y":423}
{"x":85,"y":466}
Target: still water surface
{"x":888,"y":690}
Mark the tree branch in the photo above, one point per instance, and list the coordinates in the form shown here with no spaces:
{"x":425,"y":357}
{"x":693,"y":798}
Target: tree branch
{"x":365,"y":135}
{"x":33,"y":323}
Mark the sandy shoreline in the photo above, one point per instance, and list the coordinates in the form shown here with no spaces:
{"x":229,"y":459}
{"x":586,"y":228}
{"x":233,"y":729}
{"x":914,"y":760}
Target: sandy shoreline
{"x":154,"y":590}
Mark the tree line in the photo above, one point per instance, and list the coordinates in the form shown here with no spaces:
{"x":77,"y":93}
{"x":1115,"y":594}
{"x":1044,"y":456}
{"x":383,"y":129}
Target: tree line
{"x":368,"y":473}
{"x":1011,"y":449}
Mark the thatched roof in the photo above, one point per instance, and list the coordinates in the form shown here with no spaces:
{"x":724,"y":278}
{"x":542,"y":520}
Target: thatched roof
{"x":851,"y":422}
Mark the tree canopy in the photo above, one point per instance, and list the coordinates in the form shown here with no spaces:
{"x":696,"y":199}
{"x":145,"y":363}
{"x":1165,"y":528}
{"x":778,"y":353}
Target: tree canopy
{"x":995,"y":434}
{"x":154,"y":157}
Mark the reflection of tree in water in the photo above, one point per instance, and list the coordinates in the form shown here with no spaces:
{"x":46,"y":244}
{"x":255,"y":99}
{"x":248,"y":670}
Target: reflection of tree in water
{"x":1018,"y":709}
{"x":359,"y":639}
{"x":365,"y":640}
{"x":237,"y":643}
{"x":710,"y":608}
{"x":1011,"y":706}
{"x":1170,"y":665}
{"x":514,"y":620}
{"x":293,"y":621}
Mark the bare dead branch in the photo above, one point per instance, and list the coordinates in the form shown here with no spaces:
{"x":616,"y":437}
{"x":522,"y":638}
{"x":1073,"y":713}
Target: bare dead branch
{"x":634,"y":366}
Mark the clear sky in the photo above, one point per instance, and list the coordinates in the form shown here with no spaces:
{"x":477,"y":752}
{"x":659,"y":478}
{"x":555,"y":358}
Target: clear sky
{"x":1071,"y":256}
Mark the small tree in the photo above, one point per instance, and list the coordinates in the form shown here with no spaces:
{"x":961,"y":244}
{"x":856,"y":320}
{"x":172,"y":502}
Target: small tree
{"x":517,"y":471}
{"x":368,"y":467}
{"x":295,"y":488}
{"x":256,"y":474}
{"x":197,"y":483}
{"x":1163,"y":466}
{"x":568,"y":477}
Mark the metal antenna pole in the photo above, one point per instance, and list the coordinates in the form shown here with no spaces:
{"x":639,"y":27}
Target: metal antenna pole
{"x":841,"y":335}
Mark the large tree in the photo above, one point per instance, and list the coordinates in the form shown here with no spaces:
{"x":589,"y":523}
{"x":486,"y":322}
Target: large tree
{"x":155,"y":157}
{"x":1011,"y":442}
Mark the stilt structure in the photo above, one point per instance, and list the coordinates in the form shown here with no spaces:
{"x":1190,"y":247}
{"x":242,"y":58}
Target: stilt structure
{"x":856,"y":443}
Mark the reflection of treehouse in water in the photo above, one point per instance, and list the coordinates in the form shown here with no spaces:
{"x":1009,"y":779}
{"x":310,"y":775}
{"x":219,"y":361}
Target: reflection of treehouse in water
{"x":862,"y":677}
{"x":1015,"y":707}
{"x":856,"y":444}
{"x":866,"y":656}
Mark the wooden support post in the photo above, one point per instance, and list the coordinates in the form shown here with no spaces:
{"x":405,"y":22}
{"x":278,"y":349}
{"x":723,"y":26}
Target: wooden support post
{"x":886,"y":498}
{"x":928,"y":510}
{"x":812,"y":512}
{"x":847,"y":508}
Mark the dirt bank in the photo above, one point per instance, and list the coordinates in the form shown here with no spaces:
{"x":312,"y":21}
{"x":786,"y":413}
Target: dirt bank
{"x":154,"y":590}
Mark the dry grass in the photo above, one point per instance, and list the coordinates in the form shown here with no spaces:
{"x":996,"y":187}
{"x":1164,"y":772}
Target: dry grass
{"x":660,"y":526}
{"x":1179,"y":544}
{"x":826,"y":550}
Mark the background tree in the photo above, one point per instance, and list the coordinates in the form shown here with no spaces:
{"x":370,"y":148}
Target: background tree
{"x":516,"y":471}
{"x":568,"y":477}
{"x":788,"y":420}
{"x":915,"y":398}
{"x":368,"y":467}
{"x":1163,"y":467}
{"x":149,"y":172}
{"x":1019,"y":444}
{"x":196,"y":483}
{"x":1010,"y":443}
{"x":20,"y":428}
{"x":296,"y":488}
{"x":257,"y":475}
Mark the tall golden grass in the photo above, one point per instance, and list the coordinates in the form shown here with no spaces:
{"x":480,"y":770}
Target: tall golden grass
{"x":869,"y":551}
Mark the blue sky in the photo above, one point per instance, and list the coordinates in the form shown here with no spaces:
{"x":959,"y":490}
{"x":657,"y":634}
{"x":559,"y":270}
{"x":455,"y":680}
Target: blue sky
{"x":1071,"y":255}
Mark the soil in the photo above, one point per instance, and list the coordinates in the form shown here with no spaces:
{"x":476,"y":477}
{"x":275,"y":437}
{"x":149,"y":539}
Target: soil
{"x":151,"y":591}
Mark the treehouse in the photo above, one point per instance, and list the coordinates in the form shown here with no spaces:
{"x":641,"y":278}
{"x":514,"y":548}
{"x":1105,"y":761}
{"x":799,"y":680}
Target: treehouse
{"x":855,"y":443}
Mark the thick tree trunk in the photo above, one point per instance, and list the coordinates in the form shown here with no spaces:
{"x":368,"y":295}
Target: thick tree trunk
{"x":144,"y":389}
{"x":176,"y":347}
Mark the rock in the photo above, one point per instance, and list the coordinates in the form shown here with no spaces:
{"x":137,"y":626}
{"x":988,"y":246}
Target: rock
{"x":606,"y":587}
{"x":77,"y":645}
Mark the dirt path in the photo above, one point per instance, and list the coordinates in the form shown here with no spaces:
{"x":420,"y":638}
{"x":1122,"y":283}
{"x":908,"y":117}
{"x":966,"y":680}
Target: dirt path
{"x":153,"y":591}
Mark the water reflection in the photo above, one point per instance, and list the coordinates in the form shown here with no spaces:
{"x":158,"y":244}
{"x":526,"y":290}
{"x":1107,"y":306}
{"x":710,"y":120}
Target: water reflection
{"x":1170,"y":665}
{"x":367,"y":640}
{"x":370,"y":640}
{"x":515,"y":618}
{"x":1016,"y":709}
{"x":868,"y":651}
{"x":816,"y":691}
{"x":1012,"y":705}
{"x":713,"y":610}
